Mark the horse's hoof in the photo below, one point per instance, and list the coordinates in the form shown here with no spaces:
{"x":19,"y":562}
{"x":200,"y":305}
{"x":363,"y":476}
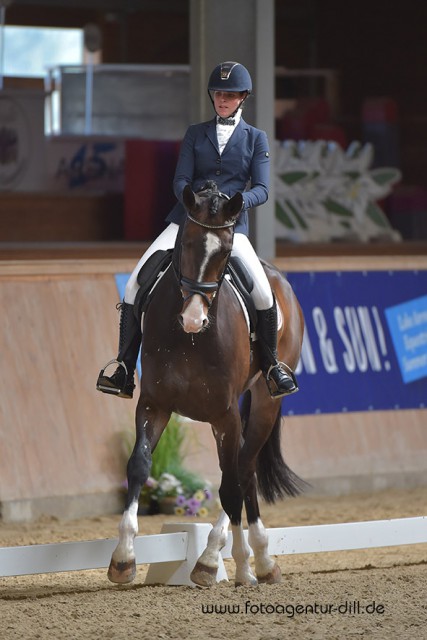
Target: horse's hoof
{"x":252,"y":582}
{"x":203,"y":575}
{"x":122,"y":572}
{"x":273,"y":577}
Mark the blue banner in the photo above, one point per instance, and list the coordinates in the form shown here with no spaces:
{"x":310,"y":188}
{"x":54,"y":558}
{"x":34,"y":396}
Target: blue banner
{"x":408,"y":327}
{"x":365,"y":344}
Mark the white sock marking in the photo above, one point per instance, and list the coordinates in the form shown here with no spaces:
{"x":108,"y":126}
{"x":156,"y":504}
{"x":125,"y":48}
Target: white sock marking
{"x":258,"y":539}
{"x":216,"y":540}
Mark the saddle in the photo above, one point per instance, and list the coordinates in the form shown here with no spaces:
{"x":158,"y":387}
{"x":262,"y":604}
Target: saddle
{"x":157,"y":265}
{"x":148,"y":277}
{"x":242,"y":280}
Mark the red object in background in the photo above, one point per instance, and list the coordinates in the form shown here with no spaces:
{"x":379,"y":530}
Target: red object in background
{"x":330,"y":133}
{"x":149,"y":172}
{"x":299,"y":123}
{"x":379,"y":110}
{"x":380,"y":127}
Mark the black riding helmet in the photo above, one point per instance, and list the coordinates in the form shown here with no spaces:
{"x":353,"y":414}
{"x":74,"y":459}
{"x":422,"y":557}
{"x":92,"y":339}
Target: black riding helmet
{"x":230,"y":76}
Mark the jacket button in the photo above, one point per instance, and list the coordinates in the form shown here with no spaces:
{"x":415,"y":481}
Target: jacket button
{"x":218,"y":160}
{"x":218,"y":172}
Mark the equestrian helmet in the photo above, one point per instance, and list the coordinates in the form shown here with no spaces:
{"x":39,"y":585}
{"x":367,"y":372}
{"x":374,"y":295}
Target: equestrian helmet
{"x":230,"y":76}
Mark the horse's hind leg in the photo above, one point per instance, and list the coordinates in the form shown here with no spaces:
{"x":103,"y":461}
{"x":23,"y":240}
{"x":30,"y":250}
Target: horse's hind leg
{"x":149,"y":426}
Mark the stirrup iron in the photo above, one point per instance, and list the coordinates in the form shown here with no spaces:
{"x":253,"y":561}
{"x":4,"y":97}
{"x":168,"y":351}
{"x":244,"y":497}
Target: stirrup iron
{"x":274,"y":392}
{"x":105,"y":389}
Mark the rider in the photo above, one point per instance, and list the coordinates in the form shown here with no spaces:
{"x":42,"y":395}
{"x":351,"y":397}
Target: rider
{"x":232,"y":153}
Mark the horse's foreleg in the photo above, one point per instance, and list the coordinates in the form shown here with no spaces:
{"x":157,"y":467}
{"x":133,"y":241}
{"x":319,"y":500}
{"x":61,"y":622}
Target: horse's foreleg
{"x":205,"y":570}
{"x":122,"y":566}
{"x":266,"y":569}
{"x":241,"y":553}
{"x":204,"y":573}
{"x":227,"y":436}
{"x":149,"y":426}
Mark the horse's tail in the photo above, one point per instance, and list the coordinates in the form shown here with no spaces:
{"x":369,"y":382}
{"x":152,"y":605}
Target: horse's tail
{"x":275,"y":479}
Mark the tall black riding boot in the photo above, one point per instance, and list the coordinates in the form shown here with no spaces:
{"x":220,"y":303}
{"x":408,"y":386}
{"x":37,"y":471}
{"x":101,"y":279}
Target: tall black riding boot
{"x":121,"y":383}
{"x":280,"y":378}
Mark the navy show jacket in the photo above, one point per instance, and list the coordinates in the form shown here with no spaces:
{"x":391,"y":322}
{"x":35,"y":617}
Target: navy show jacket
{"x":243,"y":165}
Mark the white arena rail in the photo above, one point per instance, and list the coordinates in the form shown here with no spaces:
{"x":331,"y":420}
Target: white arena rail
{"x":173,"y":553}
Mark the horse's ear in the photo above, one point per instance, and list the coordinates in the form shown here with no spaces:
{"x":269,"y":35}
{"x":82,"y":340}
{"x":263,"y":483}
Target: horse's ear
{"x":234,"y":206}
{"x":189,"y":198}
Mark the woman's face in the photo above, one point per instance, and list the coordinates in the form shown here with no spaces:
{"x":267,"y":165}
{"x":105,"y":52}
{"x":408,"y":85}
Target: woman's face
{"x":226,"y":102}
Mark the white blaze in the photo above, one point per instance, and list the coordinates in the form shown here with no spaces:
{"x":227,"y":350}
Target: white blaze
{"x":194,"y":316}
{"x":212,"y":245}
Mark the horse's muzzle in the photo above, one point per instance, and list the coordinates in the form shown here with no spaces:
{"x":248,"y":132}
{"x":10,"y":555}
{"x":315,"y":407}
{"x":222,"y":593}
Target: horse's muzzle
{"x":193,"y":317}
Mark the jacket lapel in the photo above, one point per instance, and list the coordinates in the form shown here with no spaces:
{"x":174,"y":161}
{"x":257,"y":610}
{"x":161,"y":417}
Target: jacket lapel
{"x":211,"y":133}
{"x":237,"y":136}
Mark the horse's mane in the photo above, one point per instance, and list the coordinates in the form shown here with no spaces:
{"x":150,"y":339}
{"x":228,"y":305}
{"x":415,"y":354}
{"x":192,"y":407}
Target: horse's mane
{"x":210,"y":190}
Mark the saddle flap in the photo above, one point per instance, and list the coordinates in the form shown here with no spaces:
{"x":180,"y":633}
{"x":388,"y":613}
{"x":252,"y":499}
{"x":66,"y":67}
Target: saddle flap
{"x":148,"y":276}
{"x":238,"y":267}
{"x":243,"y":282}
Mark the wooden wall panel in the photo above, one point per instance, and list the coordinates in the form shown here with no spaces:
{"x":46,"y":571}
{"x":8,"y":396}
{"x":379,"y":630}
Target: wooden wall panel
{"x":58,"y":435}
{"x":48,"y":217}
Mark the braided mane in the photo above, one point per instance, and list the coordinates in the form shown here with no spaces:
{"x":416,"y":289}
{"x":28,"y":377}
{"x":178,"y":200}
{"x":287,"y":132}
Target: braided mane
{"x":210,"y":189}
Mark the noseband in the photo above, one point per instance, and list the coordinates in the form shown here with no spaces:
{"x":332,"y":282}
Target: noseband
{"x":194,"y":286}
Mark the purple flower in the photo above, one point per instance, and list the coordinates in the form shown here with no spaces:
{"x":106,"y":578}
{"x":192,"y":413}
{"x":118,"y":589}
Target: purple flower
{"x":193,"y":504}
{"x":208,"y":494}
{"x":180,"y":501}
{"x":191,"y":511}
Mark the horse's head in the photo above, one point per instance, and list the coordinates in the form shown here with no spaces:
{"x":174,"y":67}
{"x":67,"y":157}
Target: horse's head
{"x":204,"y":248}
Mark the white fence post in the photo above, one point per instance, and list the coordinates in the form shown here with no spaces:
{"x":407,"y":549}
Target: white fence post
{"x":178,"y":573}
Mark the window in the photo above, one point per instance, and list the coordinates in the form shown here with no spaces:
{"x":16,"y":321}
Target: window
{"x":28,"y":51}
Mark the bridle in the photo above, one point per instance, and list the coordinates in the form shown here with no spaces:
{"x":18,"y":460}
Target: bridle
{"x":204,"y":289}
{"x":211,"y":226}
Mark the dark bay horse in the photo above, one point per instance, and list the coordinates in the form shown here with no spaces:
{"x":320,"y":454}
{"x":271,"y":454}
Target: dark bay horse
{"x":197,"y":361}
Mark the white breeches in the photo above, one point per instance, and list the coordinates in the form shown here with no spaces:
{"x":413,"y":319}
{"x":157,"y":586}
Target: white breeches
{"x":261,"y":293}
{"x":163,"y":242}
{"x":242,"y":248}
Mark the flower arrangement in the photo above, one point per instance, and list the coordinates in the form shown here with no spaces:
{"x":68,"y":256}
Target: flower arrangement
{"x":181,"y":499}
{"x":171,"y":488}
{"x":195,"y":505}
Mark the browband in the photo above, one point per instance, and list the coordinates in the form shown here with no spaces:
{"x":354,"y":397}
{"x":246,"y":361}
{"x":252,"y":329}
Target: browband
{"x":212,"y":226}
